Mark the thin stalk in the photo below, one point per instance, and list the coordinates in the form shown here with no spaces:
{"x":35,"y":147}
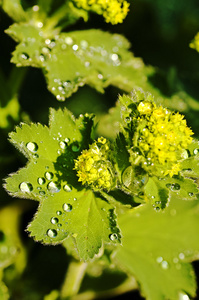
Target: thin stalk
{"x":73,"y":279}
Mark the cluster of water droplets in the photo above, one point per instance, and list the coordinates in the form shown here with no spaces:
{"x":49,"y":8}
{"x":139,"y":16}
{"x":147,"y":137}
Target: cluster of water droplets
{"x":176,"y":261}
{"x":60,"y":218}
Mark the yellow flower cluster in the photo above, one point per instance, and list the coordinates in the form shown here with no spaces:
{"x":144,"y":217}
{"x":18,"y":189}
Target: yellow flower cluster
{"x":114,"y":11}
{"x":195,"y":43}
{"x":164,"y":137}
{"x":93,"y":167}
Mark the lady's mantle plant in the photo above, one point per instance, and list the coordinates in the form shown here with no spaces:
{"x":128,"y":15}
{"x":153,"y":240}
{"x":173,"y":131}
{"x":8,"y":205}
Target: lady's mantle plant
{"x":79,"y":181}
{"x":128,"y":204}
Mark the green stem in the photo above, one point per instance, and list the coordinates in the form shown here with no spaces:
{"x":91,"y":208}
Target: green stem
{"x":73,"y":280}
{"x":64,"y":12}
{"x":16,"y":79}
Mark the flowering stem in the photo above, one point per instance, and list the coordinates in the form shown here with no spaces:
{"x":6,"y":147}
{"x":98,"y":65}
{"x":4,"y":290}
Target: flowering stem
{"x":73,"y":279}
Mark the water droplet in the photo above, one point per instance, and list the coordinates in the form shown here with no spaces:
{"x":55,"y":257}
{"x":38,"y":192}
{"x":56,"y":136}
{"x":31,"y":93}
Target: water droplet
{"x":173,"y":187}
{"x":63,"y":145}
{"x":47,"y":41}
{"x":42,"y":193}
{"x":75,"y":147}
{"x":54,"y":220}
{"x":75,"y":47}
{"x":59,"y":213}
{"x":68,"y":40}
{"x":67,"y":207}
{"x":113,"y":236}
{"x":53,"y":187}
{"x":175,"y":260}
{"x":84,"y":44}
{"x":183,"y":296}
{"x":75,"y":199}
{"x":114,"y":56}
{"x":164,"y":265}
{"x":159,"y":259}
{"x":26,"y":187}
{"x":195,"y":151}
{"x":60,"y":98}
{"x":67,"y":188}
{"x":67,"y":140}
{"x":41,"y":180}
{"x":87,"y":64}
{"x":100,"y":76}
{"x":49,"y":175}
{"x":59,"y":225}
{"x":33,"y":147}
{"x":23,"y":56}
{"x":181,"y":256}
{"x":52,"y":233}
{"x":35,"y":8}
{"x":191,"y":194}
{"x":39,"y":24}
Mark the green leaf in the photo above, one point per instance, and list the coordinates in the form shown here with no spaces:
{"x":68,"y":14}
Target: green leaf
{"x":15,"y":10}
{"x":190,"y":166}
{"x":88,"y":219}
{"x":121,"y":154}
{"x":156,"y":193}
{"x":157,"y":247}
{"x":4,"y":295}
{"x":65,"y":208}
{"x":76,"y":58}
{"x":31,"y":49}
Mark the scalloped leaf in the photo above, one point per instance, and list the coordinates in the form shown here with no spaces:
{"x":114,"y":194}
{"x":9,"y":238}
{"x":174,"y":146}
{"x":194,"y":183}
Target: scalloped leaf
{"x":76,"y":58}
{"x":161,"y":243}
{"x":87,"y":218}
{"x":65,"y":207}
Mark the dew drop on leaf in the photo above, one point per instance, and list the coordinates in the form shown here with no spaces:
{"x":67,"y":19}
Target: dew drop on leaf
{"x":159,"y":259}
{"x":59,"y":213}
{"x":42,"y":193}
{"x":84,"y":44}
{"x":67,"y":207}
{"x":67,"y":188}
{"x":75,"y":47}
{"x":52,"y":233}
{"x":164,"y":265}
{"x":68,"y":40}
{"x":181,"y":256}
{"x":195,"y":151}
{"x":53,"y":187}
{"x":49,"y":175}
{"x":23,"y":56}
{"x":41,"y":180}
{"x":113,"y":236}
{"x":26,"y":187}
{"x":63,"y":145}
{"x":87,"y":64}
{"x":67,"y":140}
{"x":183,"y":296}
{"x":33,"y":147}
{"x":54,"y":220}
{"x":191,"y":194}
{"x":173,"y":187}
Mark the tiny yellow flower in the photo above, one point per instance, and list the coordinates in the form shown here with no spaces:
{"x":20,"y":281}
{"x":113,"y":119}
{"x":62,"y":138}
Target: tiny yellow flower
{"x":93,"y":167}
{"x":114,"y":11}
{"x":195,"y":43}
{"x":145,"y":107}
{"x":164,"y":137}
